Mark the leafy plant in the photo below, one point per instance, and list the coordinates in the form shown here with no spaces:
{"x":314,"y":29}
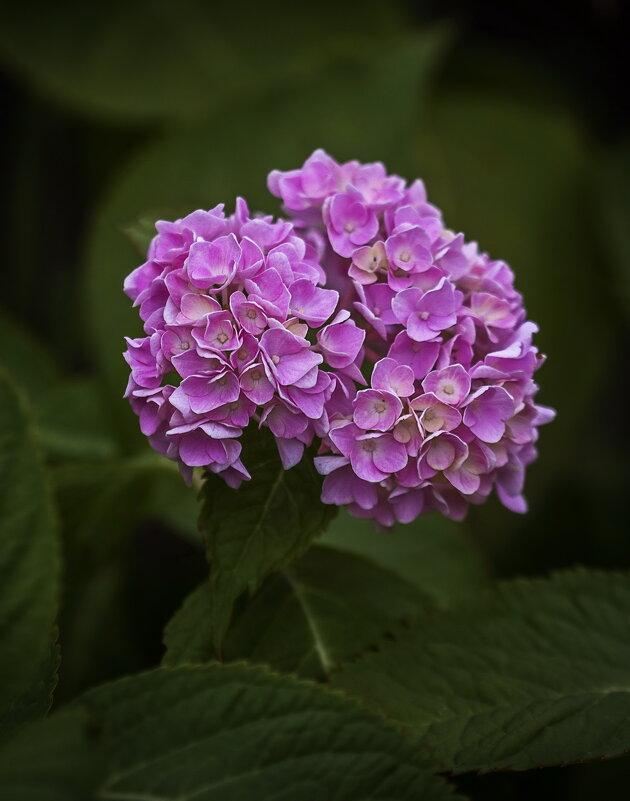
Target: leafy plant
{"x":180,"y":642}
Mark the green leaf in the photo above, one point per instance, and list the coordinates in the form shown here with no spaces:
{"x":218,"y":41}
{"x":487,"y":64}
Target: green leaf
{"x":71,"y":420}
{"x":260,"y":527}
{"x":138,"y":61}
{"x":365,"y":110}
{"x":322,"y":610}
{"x":433,"y":553}
{"x":29,"y":570}
{"x":532,"y":673}
{"x":102,"y":507}
{"x":240,"y":732}
{"x":100,"y":502}
{"x":51,"y":760}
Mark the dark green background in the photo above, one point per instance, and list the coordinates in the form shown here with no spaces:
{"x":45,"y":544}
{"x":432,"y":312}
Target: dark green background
{"x":116,"y":113}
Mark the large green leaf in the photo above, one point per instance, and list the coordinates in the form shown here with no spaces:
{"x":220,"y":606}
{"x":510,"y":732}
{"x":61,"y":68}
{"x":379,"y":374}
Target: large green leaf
{"x":240,"y":732}
{"x":53,"y":760}
{"x":353,"y":110}
{"x":100,"y":502}
{"x":70,"y":415}
{"x":29,"y":569}
{"x":103,"y":507}
{"x":144,"y":60}
{"x":532,"y":673}
{"x":72,"y":421}
{"x":325,"y":608}
{"x":433,"y":553}
{"x":260,"y":527}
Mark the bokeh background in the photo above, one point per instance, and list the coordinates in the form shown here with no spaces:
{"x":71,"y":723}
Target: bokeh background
{"x":118,"y":113}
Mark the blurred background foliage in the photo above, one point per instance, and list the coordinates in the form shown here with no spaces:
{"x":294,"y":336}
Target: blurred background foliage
{"x":118,"y":113}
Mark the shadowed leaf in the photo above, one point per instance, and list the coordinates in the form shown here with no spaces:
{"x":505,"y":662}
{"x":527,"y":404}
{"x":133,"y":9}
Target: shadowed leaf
{"x":239,"y":732}
{"x":29,"y":570}
{"x":320,"y":611}
{"x":260,"y":527}
{"x":532,"y":673}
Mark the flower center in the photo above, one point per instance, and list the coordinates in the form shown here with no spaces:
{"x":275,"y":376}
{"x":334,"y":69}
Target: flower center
{"x":368,"y":445}
{"x":222,"y":337}
{"x":251,"y":313}
{"x":349,"y":227}
{"x":424,"y":315}
{"x":255,"y":375}
{"x":380,"y":406}
{"x":275,"y":358}
{"x":405,"y":256}
{"x":448,"y":389}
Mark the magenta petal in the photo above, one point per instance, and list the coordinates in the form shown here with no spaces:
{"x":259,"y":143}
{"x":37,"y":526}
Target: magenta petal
{"x":408,"y":505}
{"x":249,"y":314}
{"x":376,"y":410}
{"x":194,"y":450}
{"x":369,"y":316}
{"x":363,"y":465}
{"x":393,"y":377}
{"x":343,"y":487}
{"x":310,"y":404}
{"x":213,"y":264}
{"x":463,"y":480}
{"x":405,"y":304}
{"x":419,"y":356}
{"x":441,"y":454}
{"x":327,"y":464}
{"x":341,"y":343}
{"x":290,"y":450}
{"x":443,"y":450}
{"x":515,"y":503}
{"x":450,"y":385}
{"x":390,"y":456}
{"x":487,"y":411}
{"x":195,"y":307}
{"x":441,"y":301}
{"x":419,"y":330}
{"x":283,"y":422}
{"x":288,"y":356}
{"x":312,"y":303}
{"x":255,"y":384}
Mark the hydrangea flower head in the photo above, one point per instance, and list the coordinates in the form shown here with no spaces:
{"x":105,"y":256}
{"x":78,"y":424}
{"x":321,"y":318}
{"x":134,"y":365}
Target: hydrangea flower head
{"x":449,"y":413}
{"x":362,"y":323}
{"x":239,"y":330}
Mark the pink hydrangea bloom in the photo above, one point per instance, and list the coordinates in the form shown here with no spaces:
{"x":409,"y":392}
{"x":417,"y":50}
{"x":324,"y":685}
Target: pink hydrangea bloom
{"x":362,"y":324}
{"x":238,"y":329}
{"x":449,"y":413}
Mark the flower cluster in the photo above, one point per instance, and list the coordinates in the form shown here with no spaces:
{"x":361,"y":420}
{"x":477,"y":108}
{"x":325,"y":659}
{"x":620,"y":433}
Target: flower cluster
{"x":363,"y":323}
{"x":449,"y":412}
{"x":238,"y":328}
